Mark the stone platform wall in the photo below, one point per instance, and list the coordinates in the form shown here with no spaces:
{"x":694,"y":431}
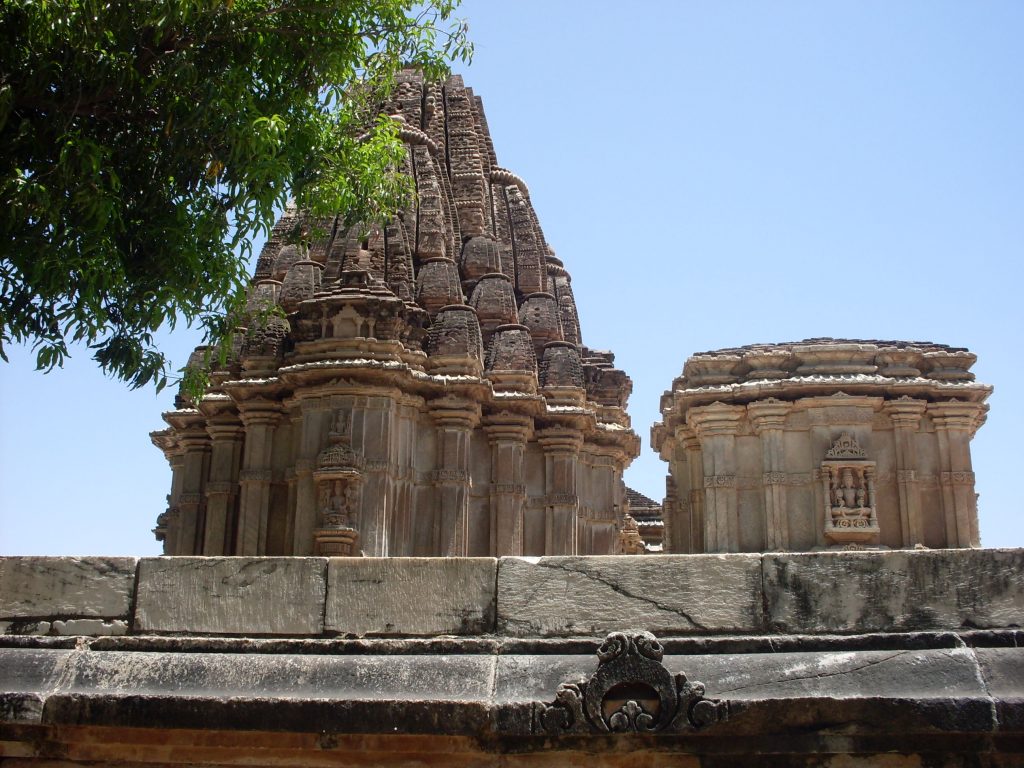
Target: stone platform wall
{"x":903,"y":659}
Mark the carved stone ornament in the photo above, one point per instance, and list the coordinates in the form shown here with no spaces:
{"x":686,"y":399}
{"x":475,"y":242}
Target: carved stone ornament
{"x":846,"y":447}
{"x":631,"y":692}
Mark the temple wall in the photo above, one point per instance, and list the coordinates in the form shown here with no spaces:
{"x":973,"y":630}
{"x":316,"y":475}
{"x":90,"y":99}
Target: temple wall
{"x":742,"y":472}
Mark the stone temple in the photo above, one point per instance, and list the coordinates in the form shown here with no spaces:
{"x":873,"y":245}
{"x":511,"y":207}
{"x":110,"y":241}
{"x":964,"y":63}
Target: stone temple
{"x":400,"y":534}
{"x":822,"y":444}
{"x":426,"y":391}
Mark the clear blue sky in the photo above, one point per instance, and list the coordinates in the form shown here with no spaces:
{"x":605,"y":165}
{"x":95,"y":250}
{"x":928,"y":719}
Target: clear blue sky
{"x":713,"y":174}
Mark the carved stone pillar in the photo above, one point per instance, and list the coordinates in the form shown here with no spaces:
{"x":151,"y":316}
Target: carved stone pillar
{"x":313,"y":413}
{"x":716,"y":426}
{"x":259,"y":417}
{"x":507,"y":434}
{"x":173,"y":515}
{"x":694,"y":531}
{"x":195,"y":443}
{"x":768,"y":417}
{"x":222,"y":487}
{"x":454,"y":420}
{"x":905,"y":414}
{"x":955,"y":423}
{"x":561,"y":504}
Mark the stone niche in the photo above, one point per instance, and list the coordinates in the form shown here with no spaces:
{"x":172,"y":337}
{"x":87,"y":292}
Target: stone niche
{"x":821,"y":444}
{"x":416,"y":386}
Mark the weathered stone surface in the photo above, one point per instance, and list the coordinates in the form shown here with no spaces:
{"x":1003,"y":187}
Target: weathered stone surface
{"x":229,"y":595}
{"x":46,"y":587}
{"x":411,"y":596}
{"x":894,"y":591}
{"x":559,"y":596}
{"x":94,"y":627}
{"x":26,"y":675}
{"x":1002,"y":670}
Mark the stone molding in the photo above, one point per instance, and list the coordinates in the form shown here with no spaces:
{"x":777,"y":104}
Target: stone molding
{"x":957,"y":478}
{"x":719,"y":481}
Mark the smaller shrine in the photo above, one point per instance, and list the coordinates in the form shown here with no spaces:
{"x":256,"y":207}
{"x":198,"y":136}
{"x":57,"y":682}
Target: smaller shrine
{"x":821,"y":444}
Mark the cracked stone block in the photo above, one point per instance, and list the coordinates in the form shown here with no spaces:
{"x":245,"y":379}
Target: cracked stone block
{"x":684,"y":594}
{"x":1002,"y":670}
{"x":47,"y":587}
{"x":411,"y":596}
{"x":895,"y":591}
{"x":232,"y":595}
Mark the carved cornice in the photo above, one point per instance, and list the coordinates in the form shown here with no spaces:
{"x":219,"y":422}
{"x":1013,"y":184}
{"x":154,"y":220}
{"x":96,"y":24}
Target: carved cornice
{"x":719,"y":481}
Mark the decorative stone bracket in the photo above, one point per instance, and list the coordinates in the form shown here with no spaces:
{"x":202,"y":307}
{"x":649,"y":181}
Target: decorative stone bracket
{"x":631,"y":692}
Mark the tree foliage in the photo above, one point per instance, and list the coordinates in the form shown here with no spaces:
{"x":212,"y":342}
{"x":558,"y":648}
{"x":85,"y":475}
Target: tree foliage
{"x":143,"y":144}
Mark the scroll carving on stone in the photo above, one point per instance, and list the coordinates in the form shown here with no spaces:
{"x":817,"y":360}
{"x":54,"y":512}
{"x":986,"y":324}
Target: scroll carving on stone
{"x":630,"y":692}
{"x":848,"y":483}
{"x":339,"y":479}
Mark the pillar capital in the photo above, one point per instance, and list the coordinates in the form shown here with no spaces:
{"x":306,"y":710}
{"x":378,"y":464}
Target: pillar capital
{"x":508,"y":427}
{"x":454,"y":412}
{"x":715,"y":419}
{"x":768,"y":414}
{"x":905,"y":412}
{"x":225,"y":431}
{"x":957,"y":415}
{"x":259,"y":412}
{"x":560,"y":440}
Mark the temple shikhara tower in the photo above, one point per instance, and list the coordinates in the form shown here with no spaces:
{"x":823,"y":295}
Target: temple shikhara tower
{"x":424,"y":390}
{"x":822,"y":444}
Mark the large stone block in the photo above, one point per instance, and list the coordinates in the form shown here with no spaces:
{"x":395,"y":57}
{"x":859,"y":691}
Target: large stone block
{"x":894,"y":591}
{"x":671,"y":594}
{"x":232,"y":595}
{"x":411,"y":596}
{"x":66,"y":587}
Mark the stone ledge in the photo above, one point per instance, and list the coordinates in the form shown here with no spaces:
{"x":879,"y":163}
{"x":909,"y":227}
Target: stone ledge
{"x":775,"y":594}
{"x":874,"y":693}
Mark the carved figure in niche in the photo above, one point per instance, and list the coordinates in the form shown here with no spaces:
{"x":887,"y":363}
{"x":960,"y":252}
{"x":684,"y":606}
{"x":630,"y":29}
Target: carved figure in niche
{"x":849,"y":490}
{"x":339,"y":477}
